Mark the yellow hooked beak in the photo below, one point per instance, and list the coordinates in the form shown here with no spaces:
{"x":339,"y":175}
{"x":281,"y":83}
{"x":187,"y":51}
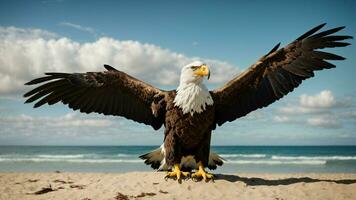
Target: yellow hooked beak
{"x":202,"y":71}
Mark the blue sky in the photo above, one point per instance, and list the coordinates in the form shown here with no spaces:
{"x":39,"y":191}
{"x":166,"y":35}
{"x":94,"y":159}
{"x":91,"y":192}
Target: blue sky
{"x":152,"y":40}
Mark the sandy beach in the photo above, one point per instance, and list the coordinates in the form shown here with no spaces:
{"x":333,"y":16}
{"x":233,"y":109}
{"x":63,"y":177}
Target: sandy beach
{"x":151,"y":185}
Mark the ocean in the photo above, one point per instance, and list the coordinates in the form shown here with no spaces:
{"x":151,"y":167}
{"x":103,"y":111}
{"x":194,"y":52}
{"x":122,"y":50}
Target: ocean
{"x":250,"y":159}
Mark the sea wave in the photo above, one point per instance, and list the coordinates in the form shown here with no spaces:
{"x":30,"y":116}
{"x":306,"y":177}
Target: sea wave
{"x":243,"y":155}
{"x":62,"y":156}
{"x":260,"y":162}
{"x":313,"y":157}
{"x":68,"y":156}
{"x":105,"y":161}
{"x":278,"y":162}
{"x":125,"y":155}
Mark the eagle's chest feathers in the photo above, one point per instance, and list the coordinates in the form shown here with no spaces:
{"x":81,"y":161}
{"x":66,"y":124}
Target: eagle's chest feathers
{"x":192,"y":98}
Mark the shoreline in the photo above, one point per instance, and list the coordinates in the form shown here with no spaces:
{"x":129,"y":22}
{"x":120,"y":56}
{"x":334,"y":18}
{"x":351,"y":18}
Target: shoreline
{"x":151,"y":185}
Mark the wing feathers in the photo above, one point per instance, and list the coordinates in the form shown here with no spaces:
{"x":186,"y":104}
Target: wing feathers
{"x":76,"y":101}
{"x":37,"y":96}
{"x":311,"y":32}
{"x":45,"y":86}
{"x":110,"y":68}
{"x":111,"y":93}
{"x":328,"y":32}
{"x":297,"y":70}
{"x":325,"y":55}
{"x":336,"y":37}
{"x":52,"y":96}
{"x":40,"y":80}
{"x":274,"y":49}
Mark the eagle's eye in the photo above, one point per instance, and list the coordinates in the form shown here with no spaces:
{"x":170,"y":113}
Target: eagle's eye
{"x":194,"y":67}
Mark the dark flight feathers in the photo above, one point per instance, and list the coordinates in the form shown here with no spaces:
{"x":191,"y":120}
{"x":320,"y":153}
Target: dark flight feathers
{"x":276,"y":74}
{"x":110,"y":92}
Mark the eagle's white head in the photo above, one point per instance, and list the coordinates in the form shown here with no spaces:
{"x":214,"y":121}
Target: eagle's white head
{"x":192,"y":95}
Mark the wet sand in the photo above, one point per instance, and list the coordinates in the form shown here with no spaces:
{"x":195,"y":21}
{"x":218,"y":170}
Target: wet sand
{"x":152,"y":185}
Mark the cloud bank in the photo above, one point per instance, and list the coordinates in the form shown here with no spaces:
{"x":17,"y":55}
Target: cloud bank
{"x":319,"y":103}
{"x":28,"y":53}
{"x":320,"y":110}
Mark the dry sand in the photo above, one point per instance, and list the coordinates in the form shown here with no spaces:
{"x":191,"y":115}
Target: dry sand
{"x":151,"y":185}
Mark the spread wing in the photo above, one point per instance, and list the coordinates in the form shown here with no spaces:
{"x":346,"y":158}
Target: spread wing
{"x":276,"y":74}
{"x":111,"y":92}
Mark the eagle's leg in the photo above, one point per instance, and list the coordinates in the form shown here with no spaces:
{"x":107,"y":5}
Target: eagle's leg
{"x":177,"y":173}
{"x":201,"y":173}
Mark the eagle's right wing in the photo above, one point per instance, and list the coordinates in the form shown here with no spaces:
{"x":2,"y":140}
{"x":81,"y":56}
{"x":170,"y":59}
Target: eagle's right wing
{"x":276,"y":74}
{"x":111,"y":92}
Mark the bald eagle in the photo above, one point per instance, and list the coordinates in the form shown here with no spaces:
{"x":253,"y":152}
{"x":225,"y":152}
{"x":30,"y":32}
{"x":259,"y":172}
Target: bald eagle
{"x":191,"y":112}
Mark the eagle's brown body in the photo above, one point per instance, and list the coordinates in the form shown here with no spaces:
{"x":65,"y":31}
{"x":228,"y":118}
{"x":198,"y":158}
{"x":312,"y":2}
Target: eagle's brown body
{"x":187,"y":134}
{"x":113,"y":92}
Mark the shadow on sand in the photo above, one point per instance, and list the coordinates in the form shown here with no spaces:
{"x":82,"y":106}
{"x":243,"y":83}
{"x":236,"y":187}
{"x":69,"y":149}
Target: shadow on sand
{"x":271,"y":182}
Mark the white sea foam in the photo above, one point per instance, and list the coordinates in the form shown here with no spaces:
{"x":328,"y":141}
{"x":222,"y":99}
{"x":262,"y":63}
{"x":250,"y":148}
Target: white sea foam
{"x":62,"y":156}
{"x":105,"y":161}
{"x":243,"y":155}
{"x":313,"y":157}
{"x":278,"y":162}
{"x":124,"y":155}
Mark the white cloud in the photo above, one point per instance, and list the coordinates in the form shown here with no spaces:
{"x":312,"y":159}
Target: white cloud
{"x":12,"y":33}
{"x":298,"y":110}
{"x":79,"y":27}
{"x":68,"y":120}
{"x":318,"y":103}
{"x":324,"y":121}
{"x":255,"y":115}
{"x":351,"y":114}
{"x":325,"y":99}
{"x":28,"y":53}
{"x":281,"y":119}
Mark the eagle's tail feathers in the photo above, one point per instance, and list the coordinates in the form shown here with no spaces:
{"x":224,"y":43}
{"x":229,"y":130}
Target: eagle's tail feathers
{"x":153,"y":158}
{"x":157,"y":161}
{"x":214,"y":161}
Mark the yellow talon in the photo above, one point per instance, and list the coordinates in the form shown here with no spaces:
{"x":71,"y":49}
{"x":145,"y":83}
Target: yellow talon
{"x":177,"y":173}
{"x":201,"y":173}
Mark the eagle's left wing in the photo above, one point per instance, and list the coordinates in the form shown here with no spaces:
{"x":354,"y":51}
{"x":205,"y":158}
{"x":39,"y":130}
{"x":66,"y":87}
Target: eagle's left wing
{"x":276,"y":74}
{"x":111,"y":92}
